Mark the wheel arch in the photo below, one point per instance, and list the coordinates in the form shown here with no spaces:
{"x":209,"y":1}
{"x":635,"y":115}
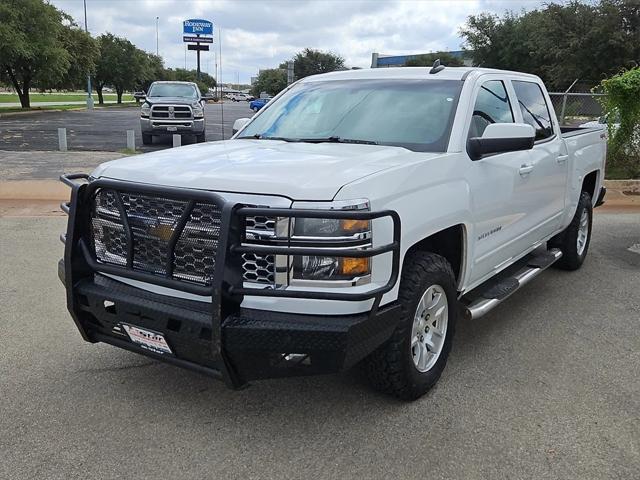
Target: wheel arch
{"x":450,"y":243}
{"x":590,"y":183}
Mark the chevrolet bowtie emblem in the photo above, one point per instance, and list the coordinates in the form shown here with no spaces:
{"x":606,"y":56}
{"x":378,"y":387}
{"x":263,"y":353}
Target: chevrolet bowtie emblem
{"x":161,"y":231}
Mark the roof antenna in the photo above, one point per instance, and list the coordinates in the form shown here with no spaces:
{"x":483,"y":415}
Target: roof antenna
{"x":436,"y":67}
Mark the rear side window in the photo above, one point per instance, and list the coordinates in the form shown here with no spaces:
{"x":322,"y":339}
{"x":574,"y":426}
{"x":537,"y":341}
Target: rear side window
{"x":492,"y":106}
{"x":534,"y":108}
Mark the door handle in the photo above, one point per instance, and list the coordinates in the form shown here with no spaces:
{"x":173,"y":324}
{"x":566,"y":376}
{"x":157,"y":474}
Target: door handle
{"x":525,"y":169}
{"x":562,"y":158}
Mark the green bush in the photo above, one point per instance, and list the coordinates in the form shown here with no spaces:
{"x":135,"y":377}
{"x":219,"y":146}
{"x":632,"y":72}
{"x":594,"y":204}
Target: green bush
{"x":622,"y":108}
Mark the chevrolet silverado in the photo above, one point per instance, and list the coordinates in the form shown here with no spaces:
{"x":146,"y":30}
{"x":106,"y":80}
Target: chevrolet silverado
{"x":354,"y":220}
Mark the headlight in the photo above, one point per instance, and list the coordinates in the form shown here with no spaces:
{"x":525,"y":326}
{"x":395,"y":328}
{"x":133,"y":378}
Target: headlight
{"x":145,"y":111}
{"x":330,"y":227}
{"x":334,"y":233}
{"x":198,"y":111}
{"x":330,"y":268}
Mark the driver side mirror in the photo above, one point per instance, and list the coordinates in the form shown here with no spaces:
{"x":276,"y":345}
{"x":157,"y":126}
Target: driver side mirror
{"x":239,"y":124}
{"x":500,"y":138}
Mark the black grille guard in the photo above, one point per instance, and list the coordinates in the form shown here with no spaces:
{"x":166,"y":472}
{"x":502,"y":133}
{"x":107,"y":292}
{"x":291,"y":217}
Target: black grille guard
{"x":227,"y":282}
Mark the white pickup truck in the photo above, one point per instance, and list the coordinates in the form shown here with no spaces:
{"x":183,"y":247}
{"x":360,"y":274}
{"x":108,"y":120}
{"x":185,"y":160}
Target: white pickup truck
{"x":353,"y":220}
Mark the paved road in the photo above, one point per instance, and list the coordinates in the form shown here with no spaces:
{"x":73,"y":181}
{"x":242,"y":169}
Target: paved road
{"x":545,"y":387}
{"x":101,"y":129}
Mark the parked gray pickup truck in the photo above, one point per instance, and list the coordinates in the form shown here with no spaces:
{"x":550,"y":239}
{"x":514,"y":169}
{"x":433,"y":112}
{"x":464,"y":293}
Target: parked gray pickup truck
{"x":173,"y":108}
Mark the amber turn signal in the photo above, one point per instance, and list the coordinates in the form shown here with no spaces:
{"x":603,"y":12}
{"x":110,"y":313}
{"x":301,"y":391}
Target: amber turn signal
{"x":355,"y":266}
{"x":355,"y":226}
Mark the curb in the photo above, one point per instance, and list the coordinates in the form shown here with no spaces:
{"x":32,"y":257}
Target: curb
{"x":73,"y":109}
{"x":34,"y":190}
{"x":623,"y":186}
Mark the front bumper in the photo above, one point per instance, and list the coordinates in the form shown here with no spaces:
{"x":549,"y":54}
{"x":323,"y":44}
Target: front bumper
{"x":257,"y":344}
{"x":219,"y":337}
{"x":161,"y":126}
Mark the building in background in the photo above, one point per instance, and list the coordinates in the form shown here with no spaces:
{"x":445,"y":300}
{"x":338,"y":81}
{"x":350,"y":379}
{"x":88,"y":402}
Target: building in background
{"x":379,"y":60}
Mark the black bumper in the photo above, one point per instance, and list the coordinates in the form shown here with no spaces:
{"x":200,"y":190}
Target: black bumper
{"x":218,"y":337}
{"x":256,"y":344}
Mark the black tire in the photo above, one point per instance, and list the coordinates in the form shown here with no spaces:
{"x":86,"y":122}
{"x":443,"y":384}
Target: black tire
{"x":200,"y":138}
{"x":147,"y":139}
{"x":567,"y":241}
{"x":391,"y":367}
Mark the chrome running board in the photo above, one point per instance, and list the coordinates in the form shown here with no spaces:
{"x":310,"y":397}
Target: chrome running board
{"x":495,"y":294}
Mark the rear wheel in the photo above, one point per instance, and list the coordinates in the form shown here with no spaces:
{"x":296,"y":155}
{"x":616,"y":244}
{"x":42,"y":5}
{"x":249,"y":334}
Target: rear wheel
{"x":147,"y":139}
{"x":574,"y":240}
{"x":412,"y":360}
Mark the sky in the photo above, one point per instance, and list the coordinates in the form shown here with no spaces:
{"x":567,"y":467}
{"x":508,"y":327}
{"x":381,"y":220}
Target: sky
{"x":262,"y":34}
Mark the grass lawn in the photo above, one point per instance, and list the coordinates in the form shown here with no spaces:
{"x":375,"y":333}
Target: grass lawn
{"x":59,"y":97}
{"x":62,"y":107}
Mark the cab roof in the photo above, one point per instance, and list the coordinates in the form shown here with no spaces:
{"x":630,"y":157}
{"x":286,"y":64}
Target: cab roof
{"x":413,"y":73}
{"x":175,"y":81}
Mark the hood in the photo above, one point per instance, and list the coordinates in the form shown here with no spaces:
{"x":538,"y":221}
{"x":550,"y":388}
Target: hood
{"x":300,"y":171}
{"x":174,"y":100}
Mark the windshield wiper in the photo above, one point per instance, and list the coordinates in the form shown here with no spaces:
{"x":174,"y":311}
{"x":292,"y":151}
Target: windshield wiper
{"x":259,"y":136}
{"x":335,"y":139}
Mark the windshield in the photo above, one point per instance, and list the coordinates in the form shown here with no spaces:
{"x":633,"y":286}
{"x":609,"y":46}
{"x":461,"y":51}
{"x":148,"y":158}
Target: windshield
{"x":415,"y":114}
{"x":173,"y":90}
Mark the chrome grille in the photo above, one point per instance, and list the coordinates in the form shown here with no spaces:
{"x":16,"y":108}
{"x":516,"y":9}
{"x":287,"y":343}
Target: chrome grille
{"x":259,"y":268}
{"x":261,"y":224}
{"x":171,"y":111}
{"x":152,"y":220}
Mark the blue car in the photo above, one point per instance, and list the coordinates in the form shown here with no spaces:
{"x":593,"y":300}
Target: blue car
{"x":258,"y":103}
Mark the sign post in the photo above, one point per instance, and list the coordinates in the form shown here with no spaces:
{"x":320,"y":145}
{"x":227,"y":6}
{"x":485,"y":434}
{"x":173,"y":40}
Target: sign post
{"x":197,"y":31}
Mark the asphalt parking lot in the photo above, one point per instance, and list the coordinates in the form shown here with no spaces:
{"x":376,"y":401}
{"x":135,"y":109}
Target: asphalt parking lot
{"x":103,"y":129}
{"x":545,"y":386}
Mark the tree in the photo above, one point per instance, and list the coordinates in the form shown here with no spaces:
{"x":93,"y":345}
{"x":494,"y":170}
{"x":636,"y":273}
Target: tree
{"x":31,"y":47}
{"x":271,"y":81}
{"x":152,"y":70}
{"x":311,"y":62}
{"x":83,"y":53}
{"x":428,"y":59}
{"x":180,"y":74}
{"x":560,"y":43}
{"x":120,"y":64}
{"x":622,"y":108}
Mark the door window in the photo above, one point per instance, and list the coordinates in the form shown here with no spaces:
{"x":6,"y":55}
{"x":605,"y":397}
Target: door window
{"x":492,"y":106}
{"x":534,"y":108}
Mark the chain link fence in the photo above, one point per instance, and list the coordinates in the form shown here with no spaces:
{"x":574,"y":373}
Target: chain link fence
{"x":574,"y":109}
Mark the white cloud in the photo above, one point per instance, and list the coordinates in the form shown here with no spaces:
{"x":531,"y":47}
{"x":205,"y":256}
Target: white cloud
{"x":262,"y":34}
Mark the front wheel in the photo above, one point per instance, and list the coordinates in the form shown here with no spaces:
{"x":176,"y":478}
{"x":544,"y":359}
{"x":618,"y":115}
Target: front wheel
{"x":412,"y":360}
{"x":574,"y":240}
{"x":147,"y":139}
{"x":200,"y":138}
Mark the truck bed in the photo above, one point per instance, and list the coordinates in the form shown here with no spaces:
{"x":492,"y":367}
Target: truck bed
{"x":573,"y":131}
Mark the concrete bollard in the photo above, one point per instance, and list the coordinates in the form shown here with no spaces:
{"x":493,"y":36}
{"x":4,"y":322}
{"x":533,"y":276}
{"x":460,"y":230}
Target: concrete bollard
{"x":62,"y":139}
{"x":131,"y":140}
{"x":177,"y":140}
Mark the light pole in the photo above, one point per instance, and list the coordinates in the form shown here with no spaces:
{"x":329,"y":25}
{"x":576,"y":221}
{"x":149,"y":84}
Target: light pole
{"x":89,"y":97}
{"x":157,"y":54}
